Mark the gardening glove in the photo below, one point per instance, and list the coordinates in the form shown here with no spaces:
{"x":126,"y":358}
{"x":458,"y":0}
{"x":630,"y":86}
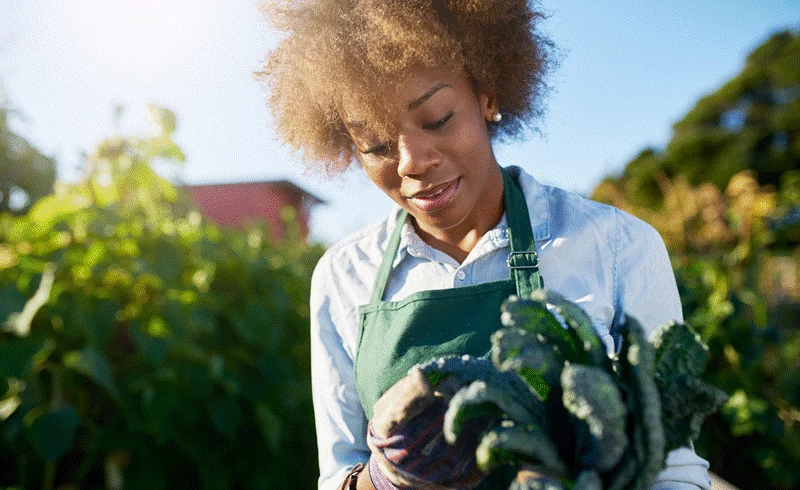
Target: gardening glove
{"x":531,"y":478}
{"x":407,"y":443}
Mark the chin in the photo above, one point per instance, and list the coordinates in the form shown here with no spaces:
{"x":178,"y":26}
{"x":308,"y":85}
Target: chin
{"x":441,"y":219}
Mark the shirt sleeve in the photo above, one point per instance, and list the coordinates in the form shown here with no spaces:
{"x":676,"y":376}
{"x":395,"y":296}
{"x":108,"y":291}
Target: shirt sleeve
{"x":339,"y":417}
{"x":646,"y":290}
{"x":645,"y":282}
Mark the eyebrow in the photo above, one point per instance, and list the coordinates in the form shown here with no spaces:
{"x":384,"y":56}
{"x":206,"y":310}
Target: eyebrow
{"x":427,"y":95}
{"x":411,"y":105}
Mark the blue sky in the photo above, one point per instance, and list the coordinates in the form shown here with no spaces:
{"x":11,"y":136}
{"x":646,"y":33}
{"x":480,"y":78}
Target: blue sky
{"x":628,"y":71}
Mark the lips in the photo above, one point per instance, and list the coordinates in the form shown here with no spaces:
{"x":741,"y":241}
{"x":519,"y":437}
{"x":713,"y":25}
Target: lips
{"x":435,"y":197}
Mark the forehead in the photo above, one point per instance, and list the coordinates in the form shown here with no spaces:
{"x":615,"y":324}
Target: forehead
{"x":420,"y":80}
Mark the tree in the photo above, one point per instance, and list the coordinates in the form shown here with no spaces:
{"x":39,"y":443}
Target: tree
{"x":144,"y":347}
{"x":725,"y":196}
{"x":751,"y":123}
{"x":25,"y":174}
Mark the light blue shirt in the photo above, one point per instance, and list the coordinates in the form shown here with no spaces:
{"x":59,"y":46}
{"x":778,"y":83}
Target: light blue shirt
{"x":607,"y":261}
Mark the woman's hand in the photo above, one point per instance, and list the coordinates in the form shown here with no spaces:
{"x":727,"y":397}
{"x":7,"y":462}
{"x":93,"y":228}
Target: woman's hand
{"x":408,"y":446}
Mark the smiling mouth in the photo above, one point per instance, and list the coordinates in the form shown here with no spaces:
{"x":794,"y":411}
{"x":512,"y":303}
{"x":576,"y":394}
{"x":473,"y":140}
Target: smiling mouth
{"x":435,"y":197}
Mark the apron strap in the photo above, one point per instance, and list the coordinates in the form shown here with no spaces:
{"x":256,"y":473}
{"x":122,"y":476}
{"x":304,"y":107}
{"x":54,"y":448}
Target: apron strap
{"x":388,"y":259}
{"x":523,"y":262}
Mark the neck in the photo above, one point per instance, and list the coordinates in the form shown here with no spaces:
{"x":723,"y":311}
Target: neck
{"x":458,"y":241}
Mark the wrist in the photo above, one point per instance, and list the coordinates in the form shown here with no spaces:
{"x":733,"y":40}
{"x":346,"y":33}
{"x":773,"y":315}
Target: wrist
{"x":378,"y":479}
{"x":365,"y":480}
{"x":354,"y":479}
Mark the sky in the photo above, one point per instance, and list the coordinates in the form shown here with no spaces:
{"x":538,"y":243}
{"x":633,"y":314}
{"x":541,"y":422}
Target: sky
{"x":628,"y":70}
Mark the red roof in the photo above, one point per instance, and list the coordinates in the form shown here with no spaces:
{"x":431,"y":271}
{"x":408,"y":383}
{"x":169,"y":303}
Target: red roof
{"x":236,"y":204}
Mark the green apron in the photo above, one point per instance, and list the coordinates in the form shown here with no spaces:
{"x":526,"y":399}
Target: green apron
{"x":396,"y":335}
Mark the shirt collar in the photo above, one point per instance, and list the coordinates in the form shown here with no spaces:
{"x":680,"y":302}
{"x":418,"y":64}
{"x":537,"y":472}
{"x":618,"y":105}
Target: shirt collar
{"x":538,"y":209}
{"x":412,"y":244}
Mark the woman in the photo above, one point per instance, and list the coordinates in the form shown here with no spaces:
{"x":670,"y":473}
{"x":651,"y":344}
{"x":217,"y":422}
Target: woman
{"x":416,"y":91}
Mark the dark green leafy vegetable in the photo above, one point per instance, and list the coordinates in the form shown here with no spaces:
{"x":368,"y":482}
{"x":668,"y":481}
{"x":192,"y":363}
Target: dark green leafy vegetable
{"x":515,"y":443}
{"x":686,"y":402}
{"x":469,"y":369}
{"x":679,"y":350}
{"x":555,"y":406}
{"x":532,"y":316}
{"x":626,"y":470}
{"x":580,"y":326}
{"x":590,"y":395}
{"x":507,"y":343}
{"x":479,"y":399}
{"x":636,"y":372}
{"x":588,"y":480}
{"x":680,"y":358}
{"x":516,"y":350}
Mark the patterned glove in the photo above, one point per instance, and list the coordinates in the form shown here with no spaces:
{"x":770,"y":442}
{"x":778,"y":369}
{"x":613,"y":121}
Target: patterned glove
{"x":408,"y":446}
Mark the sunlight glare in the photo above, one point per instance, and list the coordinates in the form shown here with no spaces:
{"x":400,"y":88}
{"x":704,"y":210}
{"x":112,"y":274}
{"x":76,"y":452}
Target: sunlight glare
{"x":137,"y":35}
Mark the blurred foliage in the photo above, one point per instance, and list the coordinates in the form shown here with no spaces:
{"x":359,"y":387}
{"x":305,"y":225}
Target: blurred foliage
{"x":143,"y":347}
{"x":737,"y":264}
{"x":729,"y":213}
{"x":25,"y":174}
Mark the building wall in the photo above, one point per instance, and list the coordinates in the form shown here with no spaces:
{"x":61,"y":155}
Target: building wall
{"x":234,"y":205}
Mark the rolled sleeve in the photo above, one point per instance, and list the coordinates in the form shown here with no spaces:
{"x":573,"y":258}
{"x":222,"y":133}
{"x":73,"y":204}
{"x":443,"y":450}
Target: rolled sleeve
{"x":684,"y":470}
{"x":339,"y":417}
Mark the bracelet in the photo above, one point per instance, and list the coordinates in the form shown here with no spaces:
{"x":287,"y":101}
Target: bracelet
{"x":352,"y":477}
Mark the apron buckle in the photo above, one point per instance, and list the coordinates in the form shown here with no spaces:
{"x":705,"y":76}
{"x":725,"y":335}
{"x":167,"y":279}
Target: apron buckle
{"x":529,"y":260}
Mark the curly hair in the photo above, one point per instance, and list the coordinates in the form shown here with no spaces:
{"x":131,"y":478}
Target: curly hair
{"x":346,"y":53}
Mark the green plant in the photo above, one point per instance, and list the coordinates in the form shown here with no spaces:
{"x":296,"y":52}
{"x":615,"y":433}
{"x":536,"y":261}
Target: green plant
{"x":737,"y":266}
{"x":25,"y":174}
{"x":144,"y":347}
{"x":567,"y":415}
{"x":754,"y":354}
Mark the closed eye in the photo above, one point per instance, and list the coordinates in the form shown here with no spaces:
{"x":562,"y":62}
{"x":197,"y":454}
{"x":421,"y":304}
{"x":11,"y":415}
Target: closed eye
{"x":438,"y":124}
{"x":376,"y":149}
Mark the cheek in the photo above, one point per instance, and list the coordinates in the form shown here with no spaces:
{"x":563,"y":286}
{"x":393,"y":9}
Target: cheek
{"x":473,"y":141}
{"x":467,"y":141}
{"x":383,"y":175}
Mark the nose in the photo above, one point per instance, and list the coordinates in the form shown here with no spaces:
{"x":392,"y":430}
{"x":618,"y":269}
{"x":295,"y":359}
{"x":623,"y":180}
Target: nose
{"x":416,"y":154}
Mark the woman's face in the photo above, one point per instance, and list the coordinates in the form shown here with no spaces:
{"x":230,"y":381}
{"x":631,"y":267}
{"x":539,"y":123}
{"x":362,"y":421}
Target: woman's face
{"x":440,"y":168}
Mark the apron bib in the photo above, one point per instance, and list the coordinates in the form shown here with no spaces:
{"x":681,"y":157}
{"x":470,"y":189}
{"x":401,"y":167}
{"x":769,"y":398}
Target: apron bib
{"x":396,"y":335}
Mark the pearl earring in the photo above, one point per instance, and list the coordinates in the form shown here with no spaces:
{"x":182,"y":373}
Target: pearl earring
{"x":497,"y":117}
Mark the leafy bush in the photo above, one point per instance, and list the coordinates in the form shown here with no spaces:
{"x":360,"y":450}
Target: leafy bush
{"x":725,"y":196}
{"x":737,"y":264}
{"x":146,"y":348}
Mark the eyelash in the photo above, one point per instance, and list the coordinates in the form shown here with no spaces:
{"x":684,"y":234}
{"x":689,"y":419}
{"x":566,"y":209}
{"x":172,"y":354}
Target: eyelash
{"x":376,"y":149}
{"x":431,"y":127}
{"x":441,"y":122}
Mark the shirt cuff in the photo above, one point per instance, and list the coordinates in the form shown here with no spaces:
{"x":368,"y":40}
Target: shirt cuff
{"x":685,"y":470}
{"x":334,"y":482}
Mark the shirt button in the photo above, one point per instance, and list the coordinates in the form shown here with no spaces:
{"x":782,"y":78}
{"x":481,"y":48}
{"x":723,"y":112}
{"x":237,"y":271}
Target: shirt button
{"x":460,"y":275}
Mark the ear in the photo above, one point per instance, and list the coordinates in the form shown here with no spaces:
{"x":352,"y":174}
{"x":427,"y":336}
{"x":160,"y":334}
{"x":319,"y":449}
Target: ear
{"x":489,"y":106}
